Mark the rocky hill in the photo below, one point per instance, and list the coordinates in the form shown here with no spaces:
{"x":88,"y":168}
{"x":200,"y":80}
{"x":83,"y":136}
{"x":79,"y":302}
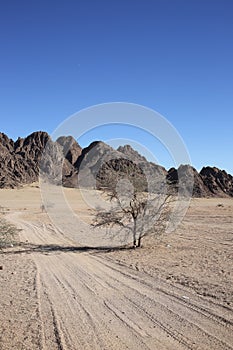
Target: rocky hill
{"x":99,"y":165}
{"x":19,"y":161}
{"x":217,"y":181}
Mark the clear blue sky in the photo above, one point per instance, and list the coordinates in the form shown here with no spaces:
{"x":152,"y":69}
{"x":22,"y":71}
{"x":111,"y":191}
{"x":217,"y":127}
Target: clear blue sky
{"x":174,"y":56}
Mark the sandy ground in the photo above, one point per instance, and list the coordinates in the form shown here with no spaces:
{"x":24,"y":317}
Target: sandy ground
{"x":56,"y":294}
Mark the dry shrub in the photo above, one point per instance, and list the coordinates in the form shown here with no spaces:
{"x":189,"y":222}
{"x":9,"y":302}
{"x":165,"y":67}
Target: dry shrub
{"x":8,"y":233}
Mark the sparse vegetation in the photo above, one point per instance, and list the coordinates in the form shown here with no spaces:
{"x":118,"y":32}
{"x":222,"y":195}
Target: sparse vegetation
{"x":140,"y":214}
{"x":7,"y":233}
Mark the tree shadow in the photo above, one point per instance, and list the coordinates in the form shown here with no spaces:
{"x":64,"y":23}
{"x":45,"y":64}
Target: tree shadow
{"x":29,"y":248}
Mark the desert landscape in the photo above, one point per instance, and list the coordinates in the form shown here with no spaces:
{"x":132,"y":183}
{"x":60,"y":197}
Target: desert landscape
{"x":173,"y":293}
{"x":116,"y":175}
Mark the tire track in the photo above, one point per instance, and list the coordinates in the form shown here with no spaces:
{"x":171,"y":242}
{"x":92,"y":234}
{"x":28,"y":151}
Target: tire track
{"x":97,"y":316}
{"x":190,"y":304}
{"x":205,"y":329}
{"x":90,"y":302}
{"x":168,"y":313}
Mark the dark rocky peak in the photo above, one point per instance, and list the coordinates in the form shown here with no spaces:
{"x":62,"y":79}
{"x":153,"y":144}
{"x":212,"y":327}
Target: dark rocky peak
{"x":116,"y":169}
{"x":212,"y":171}
{"x":101,"y":166}
{"x":6,"y":144}
{"x":92,"y":158}
{"x":131,"y":153}
{"x":38,"y":138}
{"x":182,"y":171}
{"x":33,"y":144}
{"x":137,"y":158}
{"x":186,"y":170}
{"x":70,"y":148}
{"x":98,"y":146}
{"x":219,"y":182}
{"x":66,"y":141}
{"x":187,"y":180}
{"x":18,"y":144}
{"x":19,"y":160}
{"x":172,"y":175}
{"x":190,"y":181}
{"x":96,"y":152}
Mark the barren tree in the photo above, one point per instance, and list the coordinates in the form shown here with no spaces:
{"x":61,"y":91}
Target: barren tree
{"x":138,"y":213}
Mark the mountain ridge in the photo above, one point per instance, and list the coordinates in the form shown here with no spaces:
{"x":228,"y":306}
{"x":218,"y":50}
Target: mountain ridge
{"x":100,"y":164}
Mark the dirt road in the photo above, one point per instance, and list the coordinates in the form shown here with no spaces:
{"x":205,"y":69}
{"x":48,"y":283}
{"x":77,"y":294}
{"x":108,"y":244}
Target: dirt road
{"x":88,"y":301}
{"x":175,"y":295}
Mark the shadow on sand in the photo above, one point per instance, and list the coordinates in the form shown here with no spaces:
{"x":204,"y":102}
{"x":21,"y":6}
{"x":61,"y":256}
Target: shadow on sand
{"x":28,"y":248}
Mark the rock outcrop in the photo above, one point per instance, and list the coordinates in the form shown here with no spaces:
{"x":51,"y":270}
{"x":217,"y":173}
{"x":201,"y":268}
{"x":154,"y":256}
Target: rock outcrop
{"x":155,"y":174}
{"x":218,"y":182}
{"x":19,"y":161}
{"x":70,"y":148}
{"x":186,"y":178}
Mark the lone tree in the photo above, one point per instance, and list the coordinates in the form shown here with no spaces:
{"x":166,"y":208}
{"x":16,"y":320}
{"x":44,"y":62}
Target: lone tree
{"x":139,"y":214}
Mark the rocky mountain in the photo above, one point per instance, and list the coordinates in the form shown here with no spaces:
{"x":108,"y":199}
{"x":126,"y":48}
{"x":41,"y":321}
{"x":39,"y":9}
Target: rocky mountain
{"x":156,"y":175}
{"x":180,"y":178}
{"x":132,"y":154}
{"x":99,"y":165}
{"x":19,"y":161}
{"x":218,"y":182}
{"x":70,"y":148}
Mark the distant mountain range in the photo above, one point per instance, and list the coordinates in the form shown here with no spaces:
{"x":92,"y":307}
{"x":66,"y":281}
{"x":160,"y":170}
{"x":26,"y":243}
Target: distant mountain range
{"x":99,"y":165}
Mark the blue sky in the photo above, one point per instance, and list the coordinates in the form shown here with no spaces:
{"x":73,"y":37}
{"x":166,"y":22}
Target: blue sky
{"x":174,"y":56}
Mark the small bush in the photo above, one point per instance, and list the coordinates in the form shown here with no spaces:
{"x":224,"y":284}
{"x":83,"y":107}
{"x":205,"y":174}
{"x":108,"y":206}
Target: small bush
{"x":7,"y":233}
{"x":220,"y":205}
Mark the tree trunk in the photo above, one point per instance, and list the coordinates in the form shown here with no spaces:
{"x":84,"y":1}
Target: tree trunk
{"x":139,"y":241}
{"x":134,"y":234}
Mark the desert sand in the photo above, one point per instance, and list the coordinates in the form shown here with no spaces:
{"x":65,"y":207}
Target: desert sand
{"x":173,"y":293}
